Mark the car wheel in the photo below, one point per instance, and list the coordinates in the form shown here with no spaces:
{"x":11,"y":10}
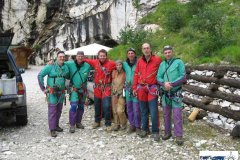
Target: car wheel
{"x":21,"y":116}
{"x":21,"y":120}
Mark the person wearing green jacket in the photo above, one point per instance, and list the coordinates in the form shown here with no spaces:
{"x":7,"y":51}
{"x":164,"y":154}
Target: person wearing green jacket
{"x":79,"y":71}
{"x":133,"y":109}
{"x":55,"y":90}
{"x":171,"y":76}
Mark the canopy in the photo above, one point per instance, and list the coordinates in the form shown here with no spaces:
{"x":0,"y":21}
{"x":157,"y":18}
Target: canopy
{"x":89,"y":50}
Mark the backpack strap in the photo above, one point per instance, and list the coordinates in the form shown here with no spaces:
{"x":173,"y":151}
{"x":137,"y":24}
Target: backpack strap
{"x":165,"y":72}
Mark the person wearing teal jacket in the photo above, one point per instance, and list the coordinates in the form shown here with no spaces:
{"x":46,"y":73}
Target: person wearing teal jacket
{"x":79,"y":71}
{"x":171,"y":76}
{"x":133,"y":109}
{"x":55,"y":90}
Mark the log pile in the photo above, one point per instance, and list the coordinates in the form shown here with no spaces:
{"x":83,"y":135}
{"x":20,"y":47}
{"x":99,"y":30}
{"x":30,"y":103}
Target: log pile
{"x":215,"y":89}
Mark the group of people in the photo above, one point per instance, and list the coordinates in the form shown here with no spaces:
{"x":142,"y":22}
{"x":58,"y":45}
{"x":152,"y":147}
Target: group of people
{"x":134,"y":84}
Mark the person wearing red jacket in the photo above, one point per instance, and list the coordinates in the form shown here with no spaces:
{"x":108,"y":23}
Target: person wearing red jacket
{"x":102,"y":88}
{"x":145,"y":88}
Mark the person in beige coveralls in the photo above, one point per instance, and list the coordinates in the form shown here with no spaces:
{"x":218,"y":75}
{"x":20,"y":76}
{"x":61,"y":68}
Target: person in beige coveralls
{"x":118,"y":100}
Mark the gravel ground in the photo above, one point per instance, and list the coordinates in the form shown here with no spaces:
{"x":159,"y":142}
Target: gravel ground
{"x":34,"y":142}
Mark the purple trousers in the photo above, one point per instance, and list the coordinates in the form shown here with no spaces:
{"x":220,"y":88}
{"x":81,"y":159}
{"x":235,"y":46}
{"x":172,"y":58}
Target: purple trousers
{"x":134,"y":115}
{"x":177,"y":120}
{"x":54,"y":114}
{"x":76,"y":113}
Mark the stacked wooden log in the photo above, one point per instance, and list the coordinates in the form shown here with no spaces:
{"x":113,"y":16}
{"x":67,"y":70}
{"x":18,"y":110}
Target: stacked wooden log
{"x":215,"y":89}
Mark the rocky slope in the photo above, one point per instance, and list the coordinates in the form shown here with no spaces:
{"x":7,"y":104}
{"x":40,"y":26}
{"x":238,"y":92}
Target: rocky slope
{"x":67,"y":24}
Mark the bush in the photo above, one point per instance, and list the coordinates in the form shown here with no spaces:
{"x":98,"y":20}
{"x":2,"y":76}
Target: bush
{"x":196,"y":6}
{"x":230,"y":54}
{"x":189,"y":34}
{"x":210,"y":22}
{"x":231,"y":27}
{"x":133,"y":37}
{"x":175,"y":18}
{"x":118,"y":52}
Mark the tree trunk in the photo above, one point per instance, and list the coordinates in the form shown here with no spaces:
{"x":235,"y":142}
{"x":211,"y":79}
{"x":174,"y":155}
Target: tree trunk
{"x":215,"y":68}
{"x":226,"y":112}
{"x":217,"y":94}
{"x":228,"y":82}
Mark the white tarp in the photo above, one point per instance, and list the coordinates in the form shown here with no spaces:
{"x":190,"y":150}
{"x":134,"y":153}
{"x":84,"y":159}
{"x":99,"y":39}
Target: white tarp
{"x":89,"y":50}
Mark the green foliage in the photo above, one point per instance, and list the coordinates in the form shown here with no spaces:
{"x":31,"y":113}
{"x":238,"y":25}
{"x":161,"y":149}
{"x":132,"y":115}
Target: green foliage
{"x":118,"y":52}
{"x":189,"y":34}
{"x":201,"y":31}
{"x":174,"y":18}
{"x":212,"y":60}
{"x":136,"y":4}
{"x":196,"y":6}
{"x":133,"y":37}
{"x":230,"y":54}
{"x":158,"y":16}
{"x":217,"y":30}
{"x":210,"y":22}
{"x":231,"y":27}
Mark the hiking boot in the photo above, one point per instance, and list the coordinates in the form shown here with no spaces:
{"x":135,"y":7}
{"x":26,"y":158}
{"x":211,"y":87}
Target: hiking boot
{"x":138,"y":131}
{"x":155,"y":136}
{"x":115,"y":128}
{"x":53,"y":133}
{"x":58,"y":129}
{"x":80,"y":126}
{"x":166,"y":136}
{"x":131,"y":129}
{"x":108,"y":129}
{"x":123,"y":127}
{"x":72,"y":129}
{"x":179,"y":141}
{"x":143,"y":134}
{"x":96,"y":125}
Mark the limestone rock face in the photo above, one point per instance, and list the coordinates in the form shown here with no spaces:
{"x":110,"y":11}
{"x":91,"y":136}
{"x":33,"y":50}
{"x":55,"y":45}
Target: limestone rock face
{"x":12,"y":13}
{"x":62,"y":24}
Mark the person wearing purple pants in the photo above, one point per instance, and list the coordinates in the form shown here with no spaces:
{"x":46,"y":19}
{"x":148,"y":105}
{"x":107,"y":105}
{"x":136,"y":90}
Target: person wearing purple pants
{"x":78,"y":70}
{"x":133,"y":109}
{"x":55,"y":90}
{"x":171,"y":75}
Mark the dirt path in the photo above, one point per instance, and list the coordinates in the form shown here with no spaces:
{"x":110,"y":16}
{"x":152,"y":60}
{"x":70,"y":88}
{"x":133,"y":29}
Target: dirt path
{"x":34,"y":142}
